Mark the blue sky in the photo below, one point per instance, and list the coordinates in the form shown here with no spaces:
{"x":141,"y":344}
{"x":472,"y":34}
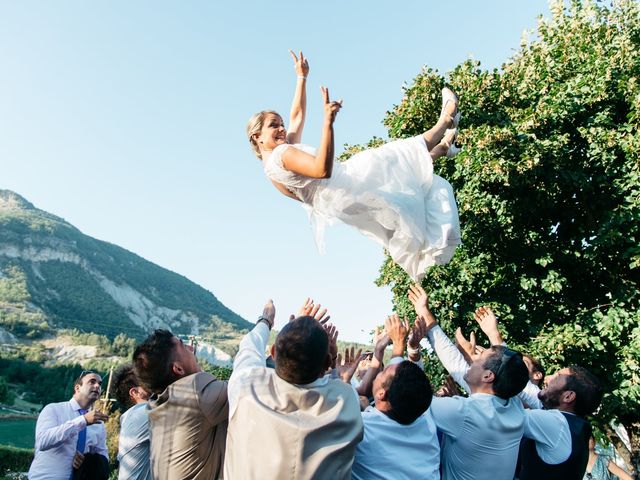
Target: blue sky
{"x":127,"y":119}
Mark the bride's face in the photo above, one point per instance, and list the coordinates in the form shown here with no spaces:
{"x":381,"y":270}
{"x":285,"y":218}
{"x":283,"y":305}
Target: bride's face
{"x":273,"y":133}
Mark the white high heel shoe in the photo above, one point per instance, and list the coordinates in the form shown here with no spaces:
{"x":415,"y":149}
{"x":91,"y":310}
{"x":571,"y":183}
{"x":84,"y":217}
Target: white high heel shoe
{"x":452,"y":148}
{"x":449,"y":96}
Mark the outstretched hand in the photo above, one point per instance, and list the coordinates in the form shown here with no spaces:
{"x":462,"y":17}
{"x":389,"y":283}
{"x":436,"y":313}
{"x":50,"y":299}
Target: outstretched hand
{"x":468,"y":348}
{"x":331,"y":109}
{"x":398,"y":331}
{"x":449,"y":388}
{"x":489,"y":324}
{"x":332,"y":332}
{"x":418,"y":332}
{"x":309,"y":309}
{"x":269,"y":313}
{"x":347,"y":367}
{"x":420,"y":300}
{"x":300,"y":64}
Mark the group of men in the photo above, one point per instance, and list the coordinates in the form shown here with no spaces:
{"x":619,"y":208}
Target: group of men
{"x":296,"y":415}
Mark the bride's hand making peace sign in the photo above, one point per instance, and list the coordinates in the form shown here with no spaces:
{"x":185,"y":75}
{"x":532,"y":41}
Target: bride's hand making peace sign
{"x":330,"y":108}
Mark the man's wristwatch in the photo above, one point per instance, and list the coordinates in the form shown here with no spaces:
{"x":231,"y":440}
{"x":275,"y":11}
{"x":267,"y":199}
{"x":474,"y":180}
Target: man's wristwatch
{"x":264,"y":319}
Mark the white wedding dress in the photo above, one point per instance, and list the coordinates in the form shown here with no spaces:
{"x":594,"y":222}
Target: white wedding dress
{"x":389,"y":193}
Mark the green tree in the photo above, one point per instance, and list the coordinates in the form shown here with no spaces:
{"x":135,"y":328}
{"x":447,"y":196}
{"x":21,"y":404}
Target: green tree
{"x":548,"y":189}
{"x":6,"y":395}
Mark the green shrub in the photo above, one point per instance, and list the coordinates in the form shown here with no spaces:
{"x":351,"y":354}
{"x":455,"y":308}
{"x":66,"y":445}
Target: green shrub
{"x":14,"y":459}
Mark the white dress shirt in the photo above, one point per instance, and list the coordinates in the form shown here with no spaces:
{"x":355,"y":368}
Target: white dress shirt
{"x":57,"y":431}
{"x":390,"y":450}
{"x":133,"y":444}
{"x":483,"y":432}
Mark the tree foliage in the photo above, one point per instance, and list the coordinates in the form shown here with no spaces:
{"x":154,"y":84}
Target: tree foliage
{"x":548,"y":190}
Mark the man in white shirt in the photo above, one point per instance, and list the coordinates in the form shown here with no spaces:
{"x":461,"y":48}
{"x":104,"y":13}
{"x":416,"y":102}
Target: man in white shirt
{"x":293,"y":421}
{"x":482,"y":433}
{"x":400,"y":439}
{"x":133,"y":442}
{"x":66,"y":431}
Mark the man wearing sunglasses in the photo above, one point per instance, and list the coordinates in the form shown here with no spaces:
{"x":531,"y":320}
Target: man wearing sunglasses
{"x":67,"y":431}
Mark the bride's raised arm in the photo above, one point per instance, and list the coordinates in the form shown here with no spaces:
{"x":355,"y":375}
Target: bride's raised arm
{"x":321,"y":165}
{"x":299,"y":103}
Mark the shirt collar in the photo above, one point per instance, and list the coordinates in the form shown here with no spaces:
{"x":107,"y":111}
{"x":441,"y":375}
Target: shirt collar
{"x":317,"y":383}
{"x":74,"y":404}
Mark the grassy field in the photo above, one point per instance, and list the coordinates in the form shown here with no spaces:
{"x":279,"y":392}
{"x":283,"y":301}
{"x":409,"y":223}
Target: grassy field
{"x":18,"y":433}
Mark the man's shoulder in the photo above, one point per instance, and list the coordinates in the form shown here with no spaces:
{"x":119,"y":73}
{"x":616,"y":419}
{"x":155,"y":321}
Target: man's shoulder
{"x":56,"y":406}
{"x":135,"y":414}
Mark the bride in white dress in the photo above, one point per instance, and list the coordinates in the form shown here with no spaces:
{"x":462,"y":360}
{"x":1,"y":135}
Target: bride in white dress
{"x":388,"y":193}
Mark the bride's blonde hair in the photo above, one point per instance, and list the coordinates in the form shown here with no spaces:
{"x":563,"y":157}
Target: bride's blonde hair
{"x":254,"y":126}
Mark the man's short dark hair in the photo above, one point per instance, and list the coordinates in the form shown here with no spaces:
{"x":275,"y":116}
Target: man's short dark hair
{"x":84,"y":373}
{"x":409,"y":393}
{"x":152,"y":361}
{"x":511,"y":373}
{"x":301,"y":351}
{"x":587,"y":388}
{"x":124,"y":380}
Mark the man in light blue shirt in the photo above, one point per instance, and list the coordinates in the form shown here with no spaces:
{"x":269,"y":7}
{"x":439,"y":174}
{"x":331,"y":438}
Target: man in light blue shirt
{"x":400,"y":439}
{"x":482,"y":433}
{"x":133,"y":444}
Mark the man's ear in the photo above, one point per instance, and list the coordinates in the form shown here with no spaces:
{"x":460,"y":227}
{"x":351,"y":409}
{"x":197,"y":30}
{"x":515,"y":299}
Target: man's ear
{"x":133,"y":393}
{"x":380,"y":394}
{"x":568,"y":396}
{"x":177,"y":369}
{"x":488,"y":376}
{"x":273,"y":351}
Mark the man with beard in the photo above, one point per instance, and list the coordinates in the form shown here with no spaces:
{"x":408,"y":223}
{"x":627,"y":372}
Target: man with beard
{"x":576,"y":393}
{"x":482,"y":433}
{"x":67,"y":431}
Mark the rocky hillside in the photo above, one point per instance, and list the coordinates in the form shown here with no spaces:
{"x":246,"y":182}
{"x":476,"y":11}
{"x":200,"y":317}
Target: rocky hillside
{"x":54,"y":277}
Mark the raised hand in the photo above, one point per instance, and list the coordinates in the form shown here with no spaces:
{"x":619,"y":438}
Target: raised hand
{"x":309,"y":309}
{"x":489,"y":324}
{"x":378,"y":352}
{"x":466,"y":347}
{"x":449,"y":388}
{"x":332,"y":332}
{"x":398,"y":331}
{"x":347,"y":367}
{"x":269,"y":313}
{"x":95,"y":416}
{"x":331,"y":109}
{"x":420,"y":300}
{"x":418,"y":332}
{"x":300,"y":64}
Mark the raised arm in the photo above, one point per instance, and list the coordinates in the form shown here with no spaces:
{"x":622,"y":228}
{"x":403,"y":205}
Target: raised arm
{"x":299,"y":103}
{"x":450,"y":357}
{"x":251,"y":353}
{"x":321,"y":165}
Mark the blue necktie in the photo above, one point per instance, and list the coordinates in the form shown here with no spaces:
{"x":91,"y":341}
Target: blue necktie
{"x":82,"y":438}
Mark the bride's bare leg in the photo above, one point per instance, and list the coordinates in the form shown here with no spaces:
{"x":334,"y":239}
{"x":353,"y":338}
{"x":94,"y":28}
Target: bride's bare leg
{"x":441,"y":149}
{"x":434,"y":135}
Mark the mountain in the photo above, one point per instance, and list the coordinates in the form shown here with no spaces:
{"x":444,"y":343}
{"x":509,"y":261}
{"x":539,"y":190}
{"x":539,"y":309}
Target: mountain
{"x":54,"y":277}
